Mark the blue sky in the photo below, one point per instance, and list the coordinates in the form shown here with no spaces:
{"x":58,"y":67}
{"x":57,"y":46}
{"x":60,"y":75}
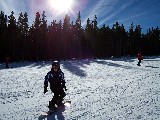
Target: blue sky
{"x":143,"y":12}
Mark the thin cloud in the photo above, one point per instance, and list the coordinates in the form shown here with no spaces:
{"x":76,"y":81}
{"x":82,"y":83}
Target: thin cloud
{"x":100,"y":9}
{"x":122,"y":8}
{"x":132,"y":17}
{"x":6,"y":8}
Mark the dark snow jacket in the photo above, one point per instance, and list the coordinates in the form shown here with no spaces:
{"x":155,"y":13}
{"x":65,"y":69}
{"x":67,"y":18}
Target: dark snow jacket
{"x":56,"y":80}
{"x":140,"y":57}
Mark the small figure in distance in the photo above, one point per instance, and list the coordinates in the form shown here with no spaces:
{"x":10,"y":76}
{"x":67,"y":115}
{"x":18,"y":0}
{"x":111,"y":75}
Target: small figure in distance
{"x":140,"y":58}
{"x":7,"y":61}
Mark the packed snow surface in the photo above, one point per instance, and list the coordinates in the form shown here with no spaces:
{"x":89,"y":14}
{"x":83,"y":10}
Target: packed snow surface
{"x":99,"y":89}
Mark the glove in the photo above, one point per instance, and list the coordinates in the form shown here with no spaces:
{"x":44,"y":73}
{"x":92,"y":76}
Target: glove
{"x":45,"y":90}
{"x":65,"y":89}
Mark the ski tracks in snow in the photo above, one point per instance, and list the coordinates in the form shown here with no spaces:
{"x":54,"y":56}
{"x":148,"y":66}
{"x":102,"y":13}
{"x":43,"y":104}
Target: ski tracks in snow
{"x":114,"y":89}
{"x":117,"y":93}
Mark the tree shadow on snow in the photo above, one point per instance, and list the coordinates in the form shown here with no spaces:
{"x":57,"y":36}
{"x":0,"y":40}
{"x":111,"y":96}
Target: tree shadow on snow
{"x":55,"y":116}
{"x":75,"y":67}
{"x":152,"y":66}
{"x":26,"y":64}
{"x":151,"y":58}
{"x":112,"y":64}
{"x":125,"y":59}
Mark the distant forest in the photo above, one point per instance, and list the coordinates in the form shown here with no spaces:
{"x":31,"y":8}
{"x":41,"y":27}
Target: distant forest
{"x":66,"y":39}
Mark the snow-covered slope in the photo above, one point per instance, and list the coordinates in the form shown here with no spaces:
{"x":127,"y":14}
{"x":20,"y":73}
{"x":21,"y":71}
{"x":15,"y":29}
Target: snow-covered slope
{"x":111,"y":89}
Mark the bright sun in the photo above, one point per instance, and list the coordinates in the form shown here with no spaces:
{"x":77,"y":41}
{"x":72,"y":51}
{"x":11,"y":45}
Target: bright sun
{"x":61,"y":5}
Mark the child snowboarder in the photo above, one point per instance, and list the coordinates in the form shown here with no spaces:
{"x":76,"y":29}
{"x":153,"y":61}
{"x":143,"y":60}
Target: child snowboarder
{"x":140,"y":57}
{"x":57,"y":85}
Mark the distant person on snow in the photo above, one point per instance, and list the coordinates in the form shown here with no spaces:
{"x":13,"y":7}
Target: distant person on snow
{"x":7,"y":61}
{"x":140,"y":58}
{"x":57,"y":85}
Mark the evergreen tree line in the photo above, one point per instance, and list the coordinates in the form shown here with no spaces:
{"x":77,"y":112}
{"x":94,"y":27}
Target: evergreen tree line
{"x":66,"y":40}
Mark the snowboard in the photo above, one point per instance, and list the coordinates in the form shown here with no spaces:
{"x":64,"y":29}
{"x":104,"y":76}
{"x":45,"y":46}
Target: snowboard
{"x":50,"y":112}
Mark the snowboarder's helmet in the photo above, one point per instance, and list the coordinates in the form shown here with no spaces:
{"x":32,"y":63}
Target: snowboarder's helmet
{"x":56,"y":64}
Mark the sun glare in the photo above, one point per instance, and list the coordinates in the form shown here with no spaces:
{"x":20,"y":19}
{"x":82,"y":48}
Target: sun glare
{"x":61,"y":5}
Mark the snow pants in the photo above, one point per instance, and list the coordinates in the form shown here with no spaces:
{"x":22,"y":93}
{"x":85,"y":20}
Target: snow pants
{"x":57,"y":98}
{"x":139,"y":62}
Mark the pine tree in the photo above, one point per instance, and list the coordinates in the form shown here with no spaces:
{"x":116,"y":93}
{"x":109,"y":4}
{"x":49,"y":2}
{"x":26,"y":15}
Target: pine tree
{"x":26,"y":36}
{"x":23,"y":26}
{"x":3,"y":36}
{"x":36,"y":34}
{"x":77,"y":34}
{"x":12,"y":36}
{"x":89,"y":38}
{"x":66,"y":36}
{"x":43,"y":37}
